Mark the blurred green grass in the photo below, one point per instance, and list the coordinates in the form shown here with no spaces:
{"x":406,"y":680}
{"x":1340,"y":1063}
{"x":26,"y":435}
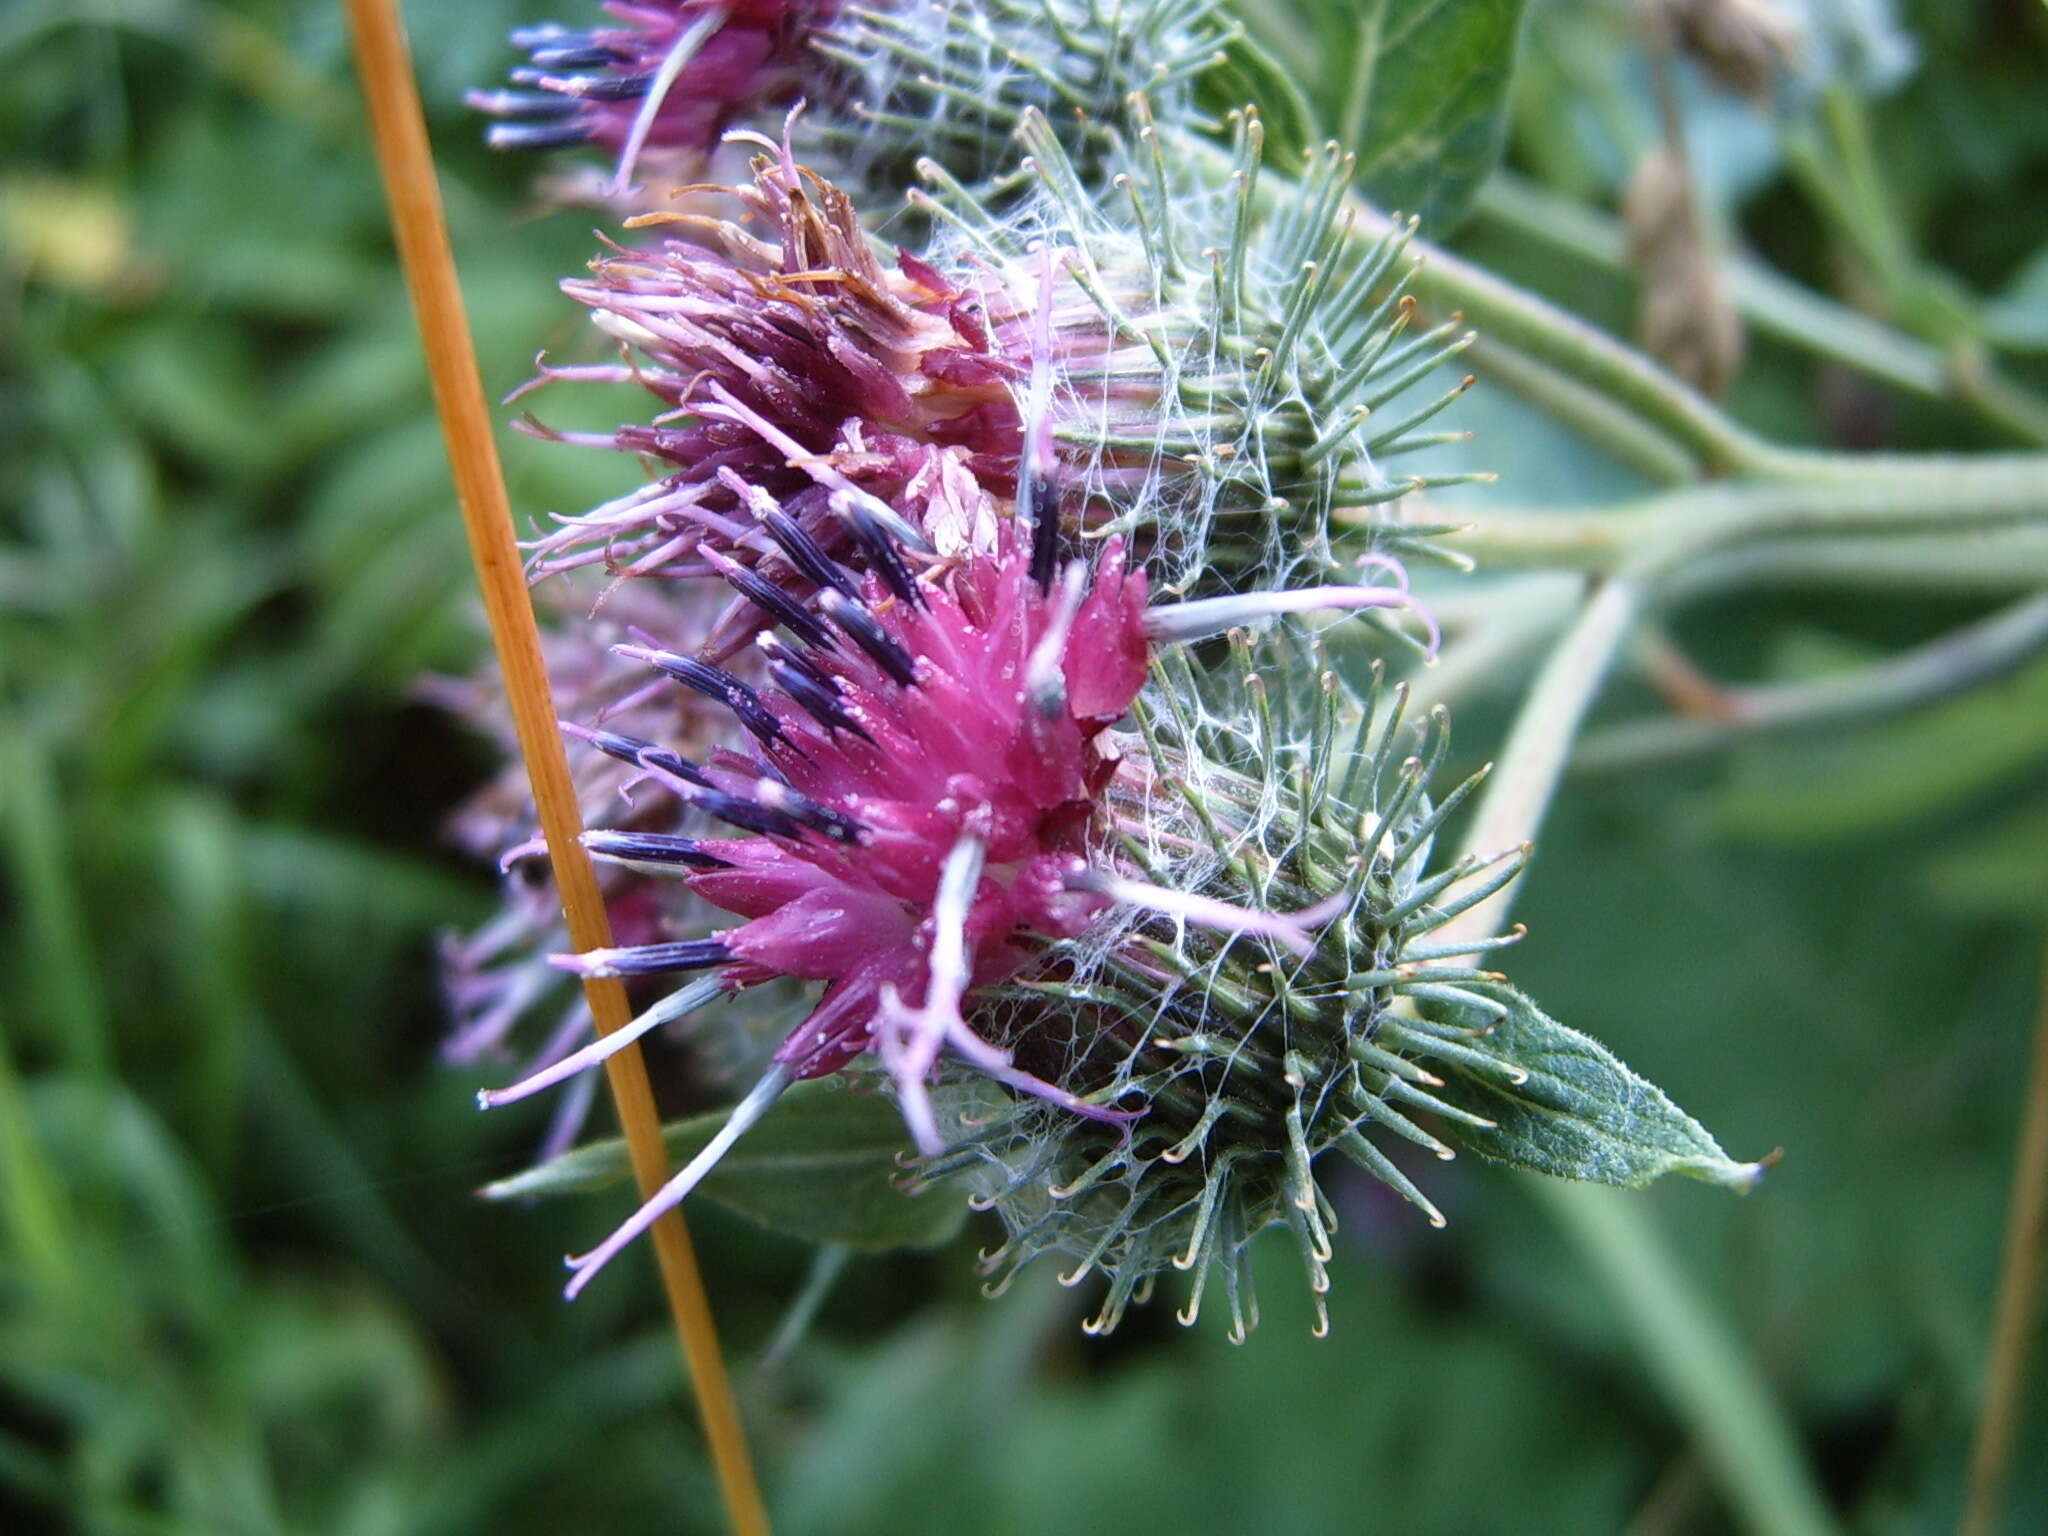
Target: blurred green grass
{"x":243,"y":1285}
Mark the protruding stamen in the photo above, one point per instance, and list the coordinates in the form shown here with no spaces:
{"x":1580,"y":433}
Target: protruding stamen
{"x":911,"y":1043}
{"x":525,"y":136}
{"x":1044,"y":681}
{"x":626,"y":749}
{"x":533,"y":848}
{"x":674,"y":764}
{"x":1041,"y":500}
{"x":880,"y":546}
{"x":819,"y":700}
{"x":778,"y":650}
{"x":772,"y":600}
{"x":638,"y":752}
{"x":533,"y":106}
{"x":825,"y":819}
{"x":714,"y":683}
{"x":1293,"y":929}
{"x":1184,"y":623}
{"x":745,"y":1116}
{"x":585,"y":56}
{"x":693,"y":996}
{"x":868,"y":634}
{"x":645,"y":959}
{"x":1045,"y":530}
{"x":643,"y":849}
{"x":804,"y":552}
{"x":692,"y":38}
{"x":586,"y":87}
{"x":848,"y":496}
{"x":747,"y":815}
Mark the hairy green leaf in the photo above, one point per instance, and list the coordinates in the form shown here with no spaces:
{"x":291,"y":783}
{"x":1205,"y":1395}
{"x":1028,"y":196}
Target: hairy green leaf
{"x":1416,"y":88}
{"x":1581,"y":1113}
{"x":820,"y":1167}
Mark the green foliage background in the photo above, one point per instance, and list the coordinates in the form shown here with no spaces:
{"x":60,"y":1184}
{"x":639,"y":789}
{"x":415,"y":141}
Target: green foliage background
{"x":244,"y":1286}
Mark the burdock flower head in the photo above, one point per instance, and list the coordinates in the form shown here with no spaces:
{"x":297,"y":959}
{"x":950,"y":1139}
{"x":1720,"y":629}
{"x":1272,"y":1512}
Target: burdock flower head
{"x":925,"y":810}
{"x":1104,"y":375}
{"x":1259,"y":1066}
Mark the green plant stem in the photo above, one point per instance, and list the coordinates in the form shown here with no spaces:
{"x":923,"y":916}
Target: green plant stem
{"x":1509,"y":623}
{"x":1658,"y":536}
{"x":1694,"y":1357}
{"x":1592,"y":540}
{"x":1769,"y":490}
{"x":1616,"y":431}
{"x":1505,"y":313}
{"x":1538,"y":329}
{"x":1997,"y":564}
{"x":1526,"y":776}
{"x":1776,"y":306}
{"x":1967,"y":658}
{"x":1994,"y":563}
{"x":1561,"y":340}
{"x":1799,"y":489}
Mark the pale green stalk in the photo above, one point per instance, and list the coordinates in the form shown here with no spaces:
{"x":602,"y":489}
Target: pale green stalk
{"x":1964,"y":659}
{"x":1658,"y":536}
{"x":1694,"y":1357}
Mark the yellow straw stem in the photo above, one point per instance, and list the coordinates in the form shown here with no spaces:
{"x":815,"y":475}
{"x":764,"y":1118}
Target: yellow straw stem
{"x":2019,"y":1284}
{"x":421,"y":232}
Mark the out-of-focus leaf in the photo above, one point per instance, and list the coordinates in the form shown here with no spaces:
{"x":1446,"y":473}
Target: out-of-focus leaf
{"x":115,"y":1151}
{"x":1997,"y":873}
{"x":200,"y":389}
{"x":822,"y":1166}
{"x":342,"y":1370}
{"x":1581,"y":1113}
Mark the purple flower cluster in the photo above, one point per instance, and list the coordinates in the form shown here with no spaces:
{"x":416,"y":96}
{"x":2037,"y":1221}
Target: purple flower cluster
{"x":889,"y":731}
{"x":668,"y":75}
